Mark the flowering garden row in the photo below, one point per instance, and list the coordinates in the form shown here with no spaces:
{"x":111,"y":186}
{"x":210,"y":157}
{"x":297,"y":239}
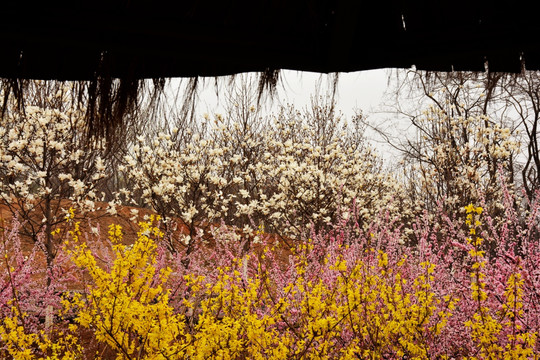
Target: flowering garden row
{"x":346,"y":293}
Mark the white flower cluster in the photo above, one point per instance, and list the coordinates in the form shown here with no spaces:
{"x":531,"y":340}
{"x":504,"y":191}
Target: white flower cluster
{"x":286,"y":174}
{"x":458,"y":158}
{"x":42,"y":160}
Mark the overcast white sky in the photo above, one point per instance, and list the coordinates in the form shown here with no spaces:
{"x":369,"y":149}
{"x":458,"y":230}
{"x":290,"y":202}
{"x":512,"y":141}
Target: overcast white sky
{"x":359,"y":90}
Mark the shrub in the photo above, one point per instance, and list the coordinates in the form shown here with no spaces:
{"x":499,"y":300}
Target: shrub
{"x":345,"y":294}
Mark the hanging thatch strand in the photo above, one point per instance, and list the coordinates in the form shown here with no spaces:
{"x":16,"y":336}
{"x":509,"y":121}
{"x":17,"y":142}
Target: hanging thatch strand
{"x":109,"y":103}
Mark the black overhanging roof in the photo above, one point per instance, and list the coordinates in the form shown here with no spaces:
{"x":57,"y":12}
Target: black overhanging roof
{"x":154,"y":39}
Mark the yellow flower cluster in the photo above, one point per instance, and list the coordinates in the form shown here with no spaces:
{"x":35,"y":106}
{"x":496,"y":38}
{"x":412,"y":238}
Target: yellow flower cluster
{"x":485,"y":326}
{"x":128,"y":306}
{"x":24,"y":345}
{"x":520,"y":343}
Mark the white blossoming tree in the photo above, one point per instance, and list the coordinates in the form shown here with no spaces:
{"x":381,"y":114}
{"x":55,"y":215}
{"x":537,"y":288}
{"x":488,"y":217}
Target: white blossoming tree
{"x":461,"y":135}
{"x":457,"y":161}
{"x":47,"y":165}
{"x":287,"y":175}
{"x":317,"y":167}
{"x":183,"y":184}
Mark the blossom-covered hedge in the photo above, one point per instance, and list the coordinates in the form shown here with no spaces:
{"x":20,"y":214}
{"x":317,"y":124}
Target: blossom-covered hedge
{"x":345,"y":293}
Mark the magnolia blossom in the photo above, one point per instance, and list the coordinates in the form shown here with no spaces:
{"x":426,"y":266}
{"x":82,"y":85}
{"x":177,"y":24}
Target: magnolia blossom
{"x":283,"y":176}
{"x":42,"y":157}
